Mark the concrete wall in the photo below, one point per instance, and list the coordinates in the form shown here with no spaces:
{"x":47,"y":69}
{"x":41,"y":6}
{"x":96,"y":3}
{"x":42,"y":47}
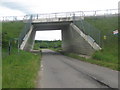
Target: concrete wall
{"x":66,"y":40}
{"x":30,"y":42}
{"x":73,"y":42}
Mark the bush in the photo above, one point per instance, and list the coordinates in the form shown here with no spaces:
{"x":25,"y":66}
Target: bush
{"x":5,"y":39}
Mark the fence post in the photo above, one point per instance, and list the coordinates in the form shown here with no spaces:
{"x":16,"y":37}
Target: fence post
{"x":9,"y":47}
{"x":99,"y":38}
{"x":18,"y":46}
{"x":74,"y":18}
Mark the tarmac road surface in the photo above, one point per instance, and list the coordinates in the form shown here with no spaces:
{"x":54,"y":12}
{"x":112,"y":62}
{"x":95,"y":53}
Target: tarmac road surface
{"x":58,"y":71}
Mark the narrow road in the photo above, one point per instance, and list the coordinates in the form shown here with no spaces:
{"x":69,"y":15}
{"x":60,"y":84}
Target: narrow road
{"x":58,"y":71}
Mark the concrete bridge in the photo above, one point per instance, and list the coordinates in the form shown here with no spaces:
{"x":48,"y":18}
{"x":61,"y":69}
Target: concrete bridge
{"x":73,"y":38}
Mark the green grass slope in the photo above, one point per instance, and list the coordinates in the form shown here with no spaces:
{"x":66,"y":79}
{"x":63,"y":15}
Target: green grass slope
{"x":110,"y":46}
{"x":12,"y":29}
{"x":19,"y":70}
{"x":104,"y":24}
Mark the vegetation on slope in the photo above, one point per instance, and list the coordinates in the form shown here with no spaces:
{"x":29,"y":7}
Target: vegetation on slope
{"x":10,"y":30}
{"x":106,"y":25}
{"x":19,"y":68}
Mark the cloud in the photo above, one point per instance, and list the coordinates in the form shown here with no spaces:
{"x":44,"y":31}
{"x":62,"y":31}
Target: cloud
{"x":16,"y":5}
{"x":52,"y":6}
{"x":4,"y":11}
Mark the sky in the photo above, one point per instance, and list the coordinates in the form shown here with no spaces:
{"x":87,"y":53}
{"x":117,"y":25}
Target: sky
{"x":48,"y":35}
{"x":23,"y":7}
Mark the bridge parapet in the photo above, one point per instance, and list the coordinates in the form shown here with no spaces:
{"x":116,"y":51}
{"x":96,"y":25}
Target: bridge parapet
{"x":57,"y":19}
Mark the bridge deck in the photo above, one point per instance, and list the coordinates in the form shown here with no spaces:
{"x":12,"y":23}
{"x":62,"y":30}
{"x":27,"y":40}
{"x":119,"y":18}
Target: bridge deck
{"x":55,"y":19}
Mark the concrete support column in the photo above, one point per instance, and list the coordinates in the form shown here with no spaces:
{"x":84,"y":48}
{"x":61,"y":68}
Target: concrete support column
{"x":66,"y":40}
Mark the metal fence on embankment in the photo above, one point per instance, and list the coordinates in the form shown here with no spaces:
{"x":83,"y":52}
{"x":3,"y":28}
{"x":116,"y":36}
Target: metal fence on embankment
{"x":25,"y":30}
{"x":90,"y":30}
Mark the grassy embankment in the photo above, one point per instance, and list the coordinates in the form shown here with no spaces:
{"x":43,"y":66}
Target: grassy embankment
{"x":19,"y":70}
{"x":108,"y":56}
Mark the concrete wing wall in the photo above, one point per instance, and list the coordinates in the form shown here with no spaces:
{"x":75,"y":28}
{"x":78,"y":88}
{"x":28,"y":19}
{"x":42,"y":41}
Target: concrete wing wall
{"x":28,"y":41}
{"x":75,"y":41}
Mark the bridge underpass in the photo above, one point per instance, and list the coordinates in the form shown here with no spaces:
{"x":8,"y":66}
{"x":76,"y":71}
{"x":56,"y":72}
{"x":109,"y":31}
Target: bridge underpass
{"x":58,"y":71}
{"x":73,"y":39}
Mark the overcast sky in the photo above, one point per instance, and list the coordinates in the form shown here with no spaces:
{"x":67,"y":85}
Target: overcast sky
{"x":23,"y":7}
{"x":48,"y":35}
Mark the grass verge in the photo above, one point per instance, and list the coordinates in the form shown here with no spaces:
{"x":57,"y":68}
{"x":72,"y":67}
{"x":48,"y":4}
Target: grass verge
{"x":104,"y":63}
{"x":20,"y":70}
{"x":109,"y":64}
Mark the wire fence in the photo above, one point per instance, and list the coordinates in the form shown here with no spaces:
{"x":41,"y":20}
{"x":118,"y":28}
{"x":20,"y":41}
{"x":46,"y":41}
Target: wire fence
{"x":25,"y":30}
{"x":90,"y":30}
{"x":107,"y":12}
{"x":11,"y":47}
{"x":101,"y":37}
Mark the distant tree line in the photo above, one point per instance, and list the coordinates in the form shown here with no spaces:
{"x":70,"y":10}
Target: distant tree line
{"x":47,"y":44}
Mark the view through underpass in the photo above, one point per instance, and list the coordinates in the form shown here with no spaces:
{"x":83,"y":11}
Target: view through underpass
{"x":48,"y":39}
